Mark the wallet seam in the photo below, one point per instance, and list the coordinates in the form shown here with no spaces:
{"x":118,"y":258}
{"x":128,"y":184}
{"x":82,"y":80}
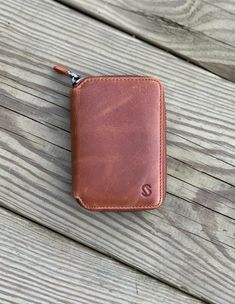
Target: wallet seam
{"x":131,"y":78}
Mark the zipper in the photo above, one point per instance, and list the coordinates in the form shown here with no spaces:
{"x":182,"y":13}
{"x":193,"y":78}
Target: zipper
{"x":75,"y":77}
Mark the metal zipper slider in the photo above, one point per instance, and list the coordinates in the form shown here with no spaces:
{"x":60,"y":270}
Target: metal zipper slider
{"x":74,"y":76}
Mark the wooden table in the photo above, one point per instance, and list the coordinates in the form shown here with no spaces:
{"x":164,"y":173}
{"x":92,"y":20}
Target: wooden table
{"x":54,"y":251}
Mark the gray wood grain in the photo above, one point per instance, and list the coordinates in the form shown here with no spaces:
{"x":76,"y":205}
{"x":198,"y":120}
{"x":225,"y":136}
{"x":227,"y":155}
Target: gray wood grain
{"x":40,"y":266}
{"x":189,"y":242}
{"x":227,"y":5}
{"x":199,"y":31}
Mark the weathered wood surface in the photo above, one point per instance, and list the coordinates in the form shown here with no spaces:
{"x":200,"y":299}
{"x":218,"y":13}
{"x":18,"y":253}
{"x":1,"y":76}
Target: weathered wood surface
{"x":200,"y":31}
{"x":227,"y":5}
{"x":189,"y":242}
{"x":41,"y":266}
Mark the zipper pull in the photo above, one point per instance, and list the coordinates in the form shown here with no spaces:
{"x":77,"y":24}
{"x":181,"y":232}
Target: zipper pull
{"x":74,"y":76}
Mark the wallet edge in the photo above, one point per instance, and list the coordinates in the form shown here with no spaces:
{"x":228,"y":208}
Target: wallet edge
{"x":155,"y":204}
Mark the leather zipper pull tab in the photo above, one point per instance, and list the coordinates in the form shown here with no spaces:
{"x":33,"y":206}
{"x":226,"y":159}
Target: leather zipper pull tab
{"x":74,"y":76}
{"x":61,"y":69}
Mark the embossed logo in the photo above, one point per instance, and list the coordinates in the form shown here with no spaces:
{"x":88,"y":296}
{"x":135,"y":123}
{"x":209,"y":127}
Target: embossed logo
{"x":146,"y":190}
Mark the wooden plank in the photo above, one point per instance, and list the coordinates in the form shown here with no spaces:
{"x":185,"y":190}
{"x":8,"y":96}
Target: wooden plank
{"x":199,"y":31}
{"x":189,"y":242}
{"x":41,"y":266}
{"x":226,"y":5}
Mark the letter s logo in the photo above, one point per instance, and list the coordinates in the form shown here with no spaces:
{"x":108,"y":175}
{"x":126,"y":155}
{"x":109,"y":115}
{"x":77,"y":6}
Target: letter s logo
{"x":146,"y":190}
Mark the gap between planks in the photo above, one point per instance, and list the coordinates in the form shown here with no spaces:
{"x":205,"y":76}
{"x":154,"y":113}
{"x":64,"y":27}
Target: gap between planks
{"x":70,"y":218}
{"x":59,"y":276}
{"x":185,"y":31}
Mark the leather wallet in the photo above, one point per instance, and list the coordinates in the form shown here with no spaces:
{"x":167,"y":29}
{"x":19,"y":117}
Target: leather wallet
{"x":118,"y":133}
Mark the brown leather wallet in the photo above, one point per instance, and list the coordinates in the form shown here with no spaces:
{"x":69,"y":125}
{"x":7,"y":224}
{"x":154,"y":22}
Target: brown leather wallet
{"x":118,"y":130}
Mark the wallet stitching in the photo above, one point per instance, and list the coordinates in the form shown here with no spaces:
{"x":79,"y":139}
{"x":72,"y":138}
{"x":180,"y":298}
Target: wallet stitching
{"x":152,"y":204}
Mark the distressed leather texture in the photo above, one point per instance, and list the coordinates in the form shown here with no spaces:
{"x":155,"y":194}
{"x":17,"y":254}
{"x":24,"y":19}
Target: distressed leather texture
{"x":118,"y":143}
